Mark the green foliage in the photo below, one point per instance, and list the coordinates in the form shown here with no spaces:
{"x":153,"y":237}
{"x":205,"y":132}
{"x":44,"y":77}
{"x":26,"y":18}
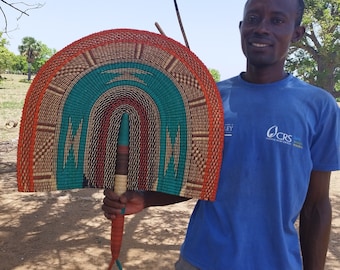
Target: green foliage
{"x":3,"y":41}
{"x":20,"y":64}
{"x":45,"y":54}
{"x":30,"y":48}
{"x":36,"y":52}
{"x":215,"y":74}
{"x":316,"y":58}
{"x":33,"y":54}
{"x":6,"y":57}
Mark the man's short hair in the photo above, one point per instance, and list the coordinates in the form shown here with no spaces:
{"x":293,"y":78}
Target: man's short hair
{"x":300,"y":11}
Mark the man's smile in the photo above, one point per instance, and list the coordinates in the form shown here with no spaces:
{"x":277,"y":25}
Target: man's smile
{"x":259,"y":45}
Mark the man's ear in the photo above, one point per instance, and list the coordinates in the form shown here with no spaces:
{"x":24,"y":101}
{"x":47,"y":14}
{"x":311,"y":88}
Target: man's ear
{"x":298,"y":33}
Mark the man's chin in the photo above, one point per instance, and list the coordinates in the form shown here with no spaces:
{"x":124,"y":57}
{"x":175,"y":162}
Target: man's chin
{"x":261,"y":62}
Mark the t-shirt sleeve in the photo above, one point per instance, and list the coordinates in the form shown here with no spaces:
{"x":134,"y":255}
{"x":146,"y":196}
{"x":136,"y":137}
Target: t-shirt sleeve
{"x":325,"y":148}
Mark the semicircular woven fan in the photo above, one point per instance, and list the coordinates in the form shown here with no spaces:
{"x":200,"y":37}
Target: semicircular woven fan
{"x":152,"y":87}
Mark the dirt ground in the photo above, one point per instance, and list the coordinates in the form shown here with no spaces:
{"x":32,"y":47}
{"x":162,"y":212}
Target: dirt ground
{"x":67,"y":230}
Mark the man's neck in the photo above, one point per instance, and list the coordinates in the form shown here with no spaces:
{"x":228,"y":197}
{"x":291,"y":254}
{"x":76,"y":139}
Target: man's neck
{"x":263,"y":75}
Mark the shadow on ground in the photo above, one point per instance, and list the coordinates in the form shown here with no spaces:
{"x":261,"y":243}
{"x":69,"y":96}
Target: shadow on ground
{"x":67,"y":230}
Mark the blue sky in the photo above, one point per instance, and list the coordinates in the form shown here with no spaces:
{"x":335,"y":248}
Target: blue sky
{"x":211,"y":26}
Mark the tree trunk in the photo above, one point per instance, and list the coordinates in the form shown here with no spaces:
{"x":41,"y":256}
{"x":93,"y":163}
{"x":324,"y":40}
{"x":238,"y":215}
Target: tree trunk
{"x":325,"y":78}
{"x":29,"y":71}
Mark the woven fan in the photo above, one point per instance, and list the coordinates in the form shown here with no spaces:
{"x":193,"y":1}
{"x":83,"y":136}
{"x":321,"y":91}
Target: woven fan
{"x":128,"y":90}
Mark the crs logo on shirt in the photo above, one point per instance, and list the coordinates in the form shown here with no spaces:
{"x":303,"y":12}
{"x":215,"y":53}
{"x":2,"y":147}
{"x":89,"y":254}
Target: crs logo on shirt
{"x":275,"y":134}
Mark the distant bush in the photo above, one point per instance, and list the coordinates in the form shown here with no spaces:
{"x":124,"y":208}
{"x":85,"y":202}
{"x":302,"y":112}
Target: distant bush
{"x":25,"y":81}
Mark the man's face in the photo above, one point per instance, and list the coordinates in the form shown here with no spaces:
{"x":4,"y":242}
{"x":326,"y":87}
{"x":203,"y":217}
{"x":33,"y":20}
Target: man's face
{"x":267,"y":29}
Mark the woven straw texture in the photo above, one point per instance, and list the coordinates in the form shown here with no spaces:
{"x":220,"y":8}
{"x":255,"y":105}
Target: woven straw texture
{"x":72,"y":113}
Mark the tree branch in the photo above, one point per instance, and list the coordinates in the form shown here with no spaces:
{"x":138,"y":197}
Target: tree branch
{"x":5,"y":18}
{"x":31,"y":7}
{"x":313,"y":37}
{"x":307,"y":48}
{"x":12,"y":6}
{"x":21,"y":11}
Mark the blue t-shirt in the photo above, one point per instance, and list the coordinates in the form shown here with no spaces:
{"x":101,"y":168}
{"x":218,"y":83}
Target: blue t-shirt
{"x":275,"y":135}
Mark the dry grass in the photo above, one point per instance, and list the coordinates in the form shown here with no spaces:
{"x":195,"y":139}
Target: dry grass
{"x":12,"y":97}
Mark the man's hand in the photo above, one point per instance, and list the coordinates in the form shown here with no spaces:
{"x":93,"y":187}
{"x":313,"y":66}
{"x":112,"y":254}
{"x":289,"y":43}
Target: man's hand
{"x":131,"y":202}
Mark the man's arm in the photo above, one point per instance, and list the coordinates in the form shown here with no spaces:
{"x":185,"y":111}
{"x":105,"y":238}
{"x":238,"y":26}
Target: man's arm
{"x":315,"y":222}
{"x":152,"y":198}
{"x":135,"y":201}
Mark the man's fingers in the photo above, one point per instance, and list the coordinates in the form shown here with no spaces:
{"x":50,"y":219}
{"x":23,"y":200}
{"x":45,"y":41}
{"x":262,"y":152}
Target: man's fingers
{"x":115,"y":206}
{"x":111,"y":194}
{"x":111,"y":212}
{"x":109,"y":216}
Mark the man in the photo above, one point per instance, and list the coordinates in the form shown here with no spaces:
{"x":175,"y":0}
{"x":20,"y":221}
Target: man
{"x":276,"y":165}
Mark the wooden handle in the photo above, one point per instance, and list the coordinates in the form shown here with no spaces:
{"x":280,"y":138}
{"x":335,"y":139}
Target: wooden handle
{"x":117,"y":229}
{"x":159,"y":29}
{"x":120,"y":184}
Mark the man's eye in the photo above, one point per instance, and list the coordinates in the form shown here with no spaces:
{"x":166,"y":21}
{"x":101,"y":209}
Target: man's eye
{"x":252,"y":19}
{"x":277,"y":21}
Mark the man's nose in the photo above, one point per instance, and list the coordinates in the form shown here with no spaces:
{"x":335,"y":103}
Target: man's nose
{"x":263,"y":27}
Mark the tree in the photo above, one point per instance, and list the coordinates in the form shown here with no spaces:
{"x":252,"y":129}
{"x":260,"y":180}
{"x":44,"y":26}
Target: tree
{"x":20,"y":64}
{"x":44,"y":55}
{"x":215,"y":74}
{"x":6,"y":57}
{"x":33,"y":55}
{"x":316,"y":58}
{"x":31,"y":49}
